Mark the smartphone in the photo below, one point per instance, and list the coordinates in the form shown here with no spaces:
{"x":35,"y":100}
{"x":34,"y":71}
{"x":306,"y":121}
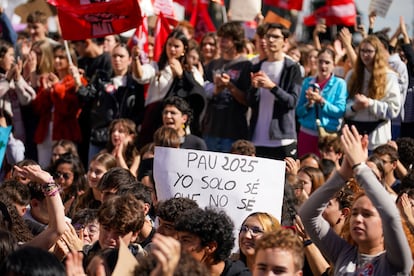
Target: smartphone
{"x":315,"y":87}
{"x":359,"y":19}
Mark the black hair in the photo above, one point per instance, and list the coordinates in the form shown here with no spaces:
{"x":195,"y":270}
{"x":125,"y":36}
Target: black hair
{"x":181,"y":105}
{"x":283,"y":29}
{"x":31,"y":261}
{"x":235,"y":32}
{"x":138,"y":190}
{"x":210,"y":226}
{"x":115,"y":178}
{"x":171,"y":209}
{"x":177,"y":34}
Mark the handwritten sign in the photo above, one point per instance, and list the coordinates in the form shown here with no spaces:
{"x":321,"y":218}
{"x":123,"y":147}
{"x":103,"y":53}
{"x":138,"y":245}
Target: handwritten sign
{"x":238,"y":184}
{"x":381,"y":7}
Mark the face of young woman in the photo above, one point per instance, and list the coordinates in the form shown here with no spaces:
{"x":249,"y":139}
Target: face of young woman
{"x":172,"y":117}
{"x":326,"y":64}
{"x":8,"y":60}
{"x":60,"y":61}
{"x":193,"y":58}
{"x":119,"y":135}
{"x":57,"y":152}
{"x":64,"y":175}
{"x":120,"y":60}
{"x":209,"y":48}
{"x":250,"y":232}
{"x":367,"y":53}
{"x":365,"y":223}
{"x":306,"y":181}
{"x":174,"y":48}
{"x":95,"y":173}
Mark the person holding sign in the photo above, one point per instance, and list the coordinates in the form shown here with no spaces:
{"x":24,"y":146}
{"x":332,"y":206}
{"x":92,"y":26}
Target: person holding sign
{"x":177,"y":114}
{"x":208,"y":236}
{"x":380,"y":246}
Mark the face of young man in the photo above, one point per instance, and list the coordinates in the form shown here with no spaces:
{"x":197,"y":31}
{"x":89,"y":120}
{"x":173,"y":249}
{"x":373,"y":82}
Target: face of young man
{"x":275,"y":261}
{"x":274,"y":40}
{"x":191,"y":244}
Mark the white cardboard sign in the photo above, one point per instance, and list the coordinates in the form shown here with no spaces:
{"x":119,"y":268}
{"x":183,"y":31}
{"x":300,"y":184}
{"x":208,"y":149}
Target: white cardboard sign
{"x":238,"y":184}
{"x":381,"y":7}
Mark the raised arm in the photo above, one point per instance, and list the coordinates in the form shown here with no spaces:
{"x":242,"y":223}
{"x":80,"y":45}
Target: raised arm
{"x":57,"y":225}
{"x":397,"y":250}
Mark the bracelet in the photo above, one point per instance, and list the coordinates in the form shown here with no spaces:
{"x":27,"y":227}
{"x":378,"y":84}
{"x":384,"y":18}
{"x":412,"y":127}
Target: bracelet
{"x":50,"y":188}
{"x":307,"y":243}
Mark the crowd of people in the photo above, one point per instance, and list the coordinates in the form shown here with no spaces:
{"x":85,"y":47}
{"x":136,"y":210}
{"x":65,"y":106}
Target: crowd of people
{"x":78,"y":195}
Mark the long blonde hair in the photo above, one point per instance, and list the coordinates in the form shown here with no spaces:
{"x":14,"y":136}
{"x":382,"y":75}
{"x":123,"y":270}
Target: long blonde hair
{"x":377,"y":83}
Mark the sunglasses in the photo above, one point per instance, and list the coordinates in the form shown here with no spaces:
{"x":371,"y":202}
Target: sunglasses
{"x":58,"y":175}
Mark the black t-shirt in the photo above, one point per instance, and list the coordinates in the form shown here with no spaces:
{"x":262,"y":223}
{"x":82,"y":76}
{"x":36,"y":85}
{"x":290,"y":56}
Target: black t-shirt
{"x":225,"y":117}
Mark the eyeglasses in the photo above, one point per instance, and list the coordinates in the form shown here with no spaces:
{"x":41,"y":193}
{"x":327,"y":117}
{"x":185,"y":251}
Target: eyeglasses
{"x":58,"y":175}
{"x":268,"y":36}
{"x":254,"y":230}
{"x":91,"y":228}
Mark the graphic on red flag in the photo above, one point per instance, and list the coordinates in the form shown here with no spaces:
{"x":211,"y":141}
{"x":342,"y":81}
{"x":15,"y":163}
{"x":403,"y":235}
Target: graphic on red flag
{"x":335,"y":12}
{"x":201,"y":21}
{"x":88,"y":20}
{"x":285,"y":4}
{"x":162,"y":30}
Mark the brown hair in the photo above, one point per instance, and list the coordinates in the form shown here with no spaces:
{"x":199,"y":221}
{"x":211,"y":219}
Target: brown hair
{"x":284,"y":239}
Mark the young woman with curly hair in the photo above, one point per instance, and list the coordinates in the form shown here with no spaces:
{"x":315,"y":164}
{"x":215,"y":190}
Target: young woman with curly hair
{"x":374,"y":95}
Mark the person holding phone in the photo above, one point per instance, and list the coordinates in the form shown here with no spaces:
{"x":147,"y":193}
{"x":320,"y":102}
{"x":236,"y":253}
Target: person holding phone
{"x":322,"y":97}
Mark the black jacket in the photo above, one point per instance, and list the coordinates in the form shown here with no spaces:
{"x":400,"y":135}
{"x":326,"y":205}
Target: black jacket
{"x":286,"y":96}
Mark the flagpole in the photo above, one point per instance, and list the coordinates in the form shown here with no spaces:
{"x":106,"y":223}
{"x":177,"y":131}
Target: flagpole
{"x":65,"y":42}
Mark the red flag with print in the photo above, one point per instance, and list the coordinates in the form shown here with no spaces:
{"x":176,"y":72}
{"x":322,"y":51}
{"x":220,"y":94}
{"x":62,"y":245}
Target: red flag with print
{"x":335,"y":12}
{"x":201,"y":20}
{"x":162,"y":30}
{"x":285,"y":4}
{"x":88,"y":20}
{"x":140,"y":39}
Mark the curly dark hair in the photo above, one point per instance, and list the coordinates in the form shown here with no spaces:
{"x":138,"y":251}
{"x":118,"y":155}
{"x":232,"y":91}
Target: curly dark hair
{"x":210,"y":226}
{"x":235,"y":32}
{"x":123,"y":213}
{"x":171,"y":209}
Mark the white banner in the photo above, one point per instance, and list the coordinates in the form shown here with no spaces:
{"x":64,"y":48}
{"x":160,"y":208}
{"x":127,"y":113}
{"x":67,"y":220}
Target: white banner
{"x":238,"y":184}
{"x":381,"y":7}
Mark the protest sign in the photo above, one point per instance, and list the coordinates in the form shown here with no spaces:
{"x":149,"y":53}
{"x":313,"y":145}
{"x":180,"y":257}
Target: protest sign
{"x":238,"y":184}
{"x":245,"y":10}
{"x":380,"y":7}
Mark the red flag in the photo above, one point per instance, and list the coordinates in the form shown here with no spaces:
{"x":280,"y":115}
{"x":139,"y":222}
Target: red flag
{"x":140,"y":38}
{"x":201,"y":21}
{"x":335,"y":12}
{"x":285,"y":4}
{"x":162,"y":30}
{"x":81,"y":21}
